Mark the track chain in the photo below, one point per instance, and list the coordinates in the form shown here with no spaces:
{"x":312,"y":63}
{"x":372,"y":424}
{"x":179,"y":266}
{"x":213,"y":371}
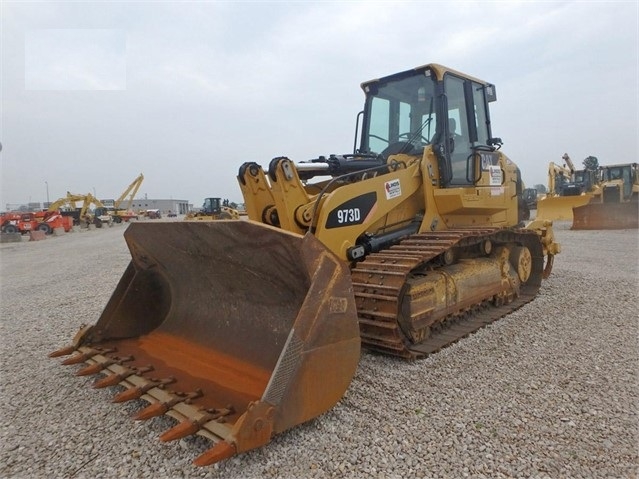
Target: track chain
{"x":379,"y":281}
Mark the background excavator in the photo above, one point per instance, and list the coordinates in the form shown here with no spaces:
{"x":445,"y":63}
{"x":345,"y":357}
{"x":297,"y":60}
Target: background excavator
{"x":615,"y":205}
{"x":240,"y":330}
{"x":67,"y":205}
{"x":568,"y":188}
{"x":121,"y":210}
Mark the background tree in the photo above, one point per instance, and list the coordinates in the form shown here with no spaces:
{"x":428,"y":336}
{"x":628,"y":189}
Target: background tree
{"x":591,"y":163}
{"x":541,"y":189}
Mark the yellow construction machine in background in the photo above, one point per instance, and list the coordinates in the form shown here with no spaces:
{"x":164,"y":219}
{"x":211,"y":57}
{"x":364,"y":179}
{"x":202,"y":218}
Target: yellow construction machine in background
{"x":568,"y":188}
{"x":122,"y":211}
{"x":82,"y":214}
{"x":240,"y":330}
{"x":531,"y":197}
{"x":118,"y":212}
{"x":615,"y":205}
{"x":214,"y":209}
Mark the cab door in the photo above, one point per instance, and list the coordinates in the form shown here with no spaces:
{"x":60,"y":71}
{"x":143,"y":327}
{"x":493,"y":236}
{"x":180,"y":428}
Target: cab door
{"x":467,"y":128}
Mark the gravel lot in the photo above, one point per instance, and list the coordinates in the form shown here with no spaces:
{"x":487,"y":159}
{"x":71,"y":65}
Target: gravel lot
{"x":549,"y":391}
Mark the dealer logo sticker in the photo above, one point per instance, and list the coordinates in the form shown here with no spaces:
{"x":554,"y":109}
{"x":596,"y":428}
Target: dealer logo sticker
{"x":496,"y":178}
{"x":393,"y":189}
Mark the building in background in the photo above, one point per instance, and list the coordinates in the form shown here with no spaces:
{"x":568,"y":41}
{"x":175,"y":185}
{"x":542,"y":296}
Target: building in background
{"x":25,"y":207}
{"x":180,"y":207}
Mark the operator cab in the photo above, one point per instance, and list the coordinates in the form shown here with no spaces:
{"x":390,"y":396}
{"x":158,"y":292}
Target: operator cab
{"x":212,"y":206}
{"x":428,"y":105}
{"x":624,"y":174}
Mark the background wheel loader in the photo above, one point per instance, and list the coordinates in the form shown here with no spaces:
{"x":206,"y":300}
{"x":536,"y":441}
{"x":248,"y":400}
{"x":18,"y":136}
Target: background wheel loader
{"x":243,"y":329}
{"x":214,"y":209}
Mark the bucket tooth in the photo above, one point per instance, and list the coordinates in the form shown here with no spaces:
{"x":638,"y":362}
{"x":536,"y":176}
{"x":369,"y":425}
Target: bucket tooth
{"x":97,"y":367}
{"x":159,"y":408}
{"x":128,"y":395}
{"x":153,"y":410}
{"x":114,"y":379}
{"x":79,"y":358}
{"x":222,"y":450}
{"x":110,"y":380}
{"x":184,"y":429}
{"x":91,"y":369}
{"x":136,"y":393}
{"x":62,"y":352}
{"x":82,"y":357}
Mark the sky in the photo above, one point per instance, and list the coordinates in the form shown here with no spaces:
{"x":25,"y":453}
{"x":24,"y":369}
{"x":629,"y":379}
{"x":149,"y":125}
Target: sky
{"x":95,"y":93}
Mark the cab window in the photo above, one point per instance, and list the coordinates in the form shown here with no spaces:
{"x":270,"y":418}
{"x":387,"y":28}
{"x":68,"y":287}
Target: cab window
{"x":457,"y":132}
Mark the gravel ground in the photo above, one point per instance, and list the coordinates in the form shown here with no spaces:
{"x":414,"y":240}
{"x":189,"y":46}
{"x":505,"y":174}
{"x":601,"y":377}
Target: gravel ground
{"x":549,"y":391}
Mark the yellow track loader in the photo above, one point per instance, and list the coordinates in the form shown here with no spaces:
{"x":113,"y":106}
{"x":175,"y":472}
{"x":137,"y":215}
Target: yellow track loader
{"x":242,"y":329}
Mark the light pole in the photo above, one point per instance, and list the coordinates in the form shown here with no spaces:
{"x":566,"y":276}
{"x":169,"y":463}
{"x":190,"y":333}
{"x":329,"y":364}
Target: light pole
{"x":47,"y":183}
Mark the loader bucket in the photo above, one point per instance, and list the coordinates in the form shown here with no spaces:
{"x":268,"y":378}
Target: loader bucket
{"x":606,"y":216}
{"x":559,"y":207}
{"x":237,"y":330}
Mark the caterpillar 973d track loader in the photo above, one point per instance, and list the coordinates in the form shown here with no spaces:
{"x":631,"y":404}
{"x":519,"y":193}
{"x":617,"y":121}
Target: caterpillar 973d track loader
{"x":243,"y":329}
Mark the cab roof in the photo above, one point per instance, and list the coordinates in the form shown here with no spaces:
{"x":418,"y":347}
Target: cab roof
{"x":437,"y":69}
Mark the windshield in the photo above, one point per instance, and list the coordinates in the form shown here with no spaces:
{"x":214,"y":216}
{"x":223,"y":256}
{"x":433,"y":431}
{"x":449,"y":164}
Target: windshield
{"x":211,"y":205}
{"x":616,"y":173}
{"x":401,"y":110}
{"x":580,"y":176}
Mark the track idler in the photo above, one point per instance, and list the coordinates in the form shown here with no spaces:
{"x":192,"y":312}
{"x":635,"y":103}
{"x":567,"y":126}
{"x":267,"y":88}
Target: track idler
{"x":238,"y":331}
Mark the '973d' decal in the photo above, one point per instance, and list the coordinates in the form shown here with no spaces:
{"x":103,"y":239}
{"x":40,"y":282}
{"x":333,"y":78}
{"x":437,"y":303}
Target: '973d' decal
{"x":352,"y":212}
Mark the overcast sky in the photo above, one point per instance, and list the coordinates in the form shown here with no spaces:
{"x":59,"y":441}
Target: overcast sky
{"x":185,"y":92}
